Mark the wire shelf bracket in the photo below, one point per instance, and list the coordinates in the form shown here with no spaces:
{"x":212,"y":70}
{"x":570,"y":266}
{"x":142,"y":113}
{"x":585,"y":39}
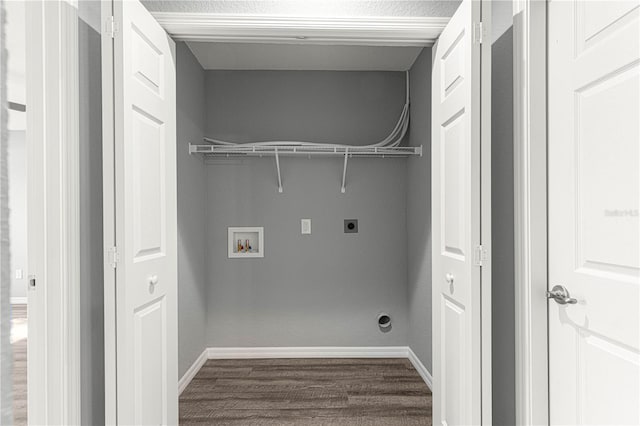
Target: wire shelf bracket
{"x":278,"y":171}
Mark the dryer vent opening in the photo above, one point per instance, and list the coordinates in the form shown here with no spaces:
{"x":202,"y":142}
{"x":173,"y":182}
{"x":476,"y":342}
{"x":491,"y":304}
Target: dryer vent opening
{"x":384,"y":321}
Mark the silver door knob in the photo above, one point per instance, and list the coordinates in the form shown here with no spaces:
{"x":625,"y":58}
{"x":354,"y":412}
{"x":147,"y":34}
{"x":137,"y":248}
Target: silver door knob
{"x":449,"y":277}
{"x":153,"y":280}
{"x":561,"y":295}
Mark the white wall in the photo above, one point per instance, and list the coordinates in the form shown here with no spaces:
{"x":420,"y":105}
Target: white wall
{"x":18,"y":212}
{"x":16,"y":93}
{"x":16,"y":53}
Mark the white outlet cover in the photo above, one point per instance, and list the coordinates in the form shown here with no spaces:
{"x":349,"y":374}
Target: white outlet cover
{"x":19,"y":274}
{"x":305,"y":225}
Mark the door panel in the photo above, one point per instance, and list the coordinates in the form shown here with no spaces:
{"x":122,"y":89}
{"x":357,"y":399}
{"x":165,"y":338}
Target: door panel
{"x":454,"y":397}
{"x":149,"y":222}
{"x":150,"y":363}
{"x":144,"y":200}
{"x":594,"y":194}
{"x":456,"y":218}
{"x":453,"y":180}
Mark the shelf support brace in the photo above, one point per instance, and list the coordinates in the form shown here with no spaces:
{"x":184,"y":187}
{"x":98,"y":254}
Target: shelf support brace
{"x":344,"y":170}
{"x":278,"y":170}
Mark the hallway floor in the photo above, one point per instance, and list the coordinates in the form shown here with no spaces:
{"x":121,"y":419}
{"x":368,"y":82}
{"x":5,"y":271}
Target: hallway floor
{"x":19,"y":348}
{"x":306,"y":392}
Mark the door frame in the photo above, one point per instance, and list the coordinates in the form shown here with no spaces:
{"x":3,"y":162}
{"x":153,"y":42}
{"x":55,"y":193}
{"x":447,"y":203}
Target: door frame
{"x":486,"y":271}
{"x":530,"y":210}
{"x":482,"y":246}
{"x":302,"y":29}
{"x":55,"y":123}
{"x":210,"y":27}
{"x":53,"y":231}
{"x":109,"y":221}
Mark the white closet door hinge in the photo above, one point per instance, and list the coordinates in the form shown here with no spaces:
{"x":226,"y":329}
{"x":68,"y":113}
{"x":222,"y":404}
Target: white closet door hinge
{"x":478,"y":32}
{"x":113,"y":257}
{"x":111,"y":27}
{"x":480,"y":255}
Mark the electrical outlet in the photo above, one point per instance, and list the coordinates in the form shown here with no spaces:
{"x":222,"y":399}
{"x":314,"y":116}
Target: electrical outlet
{"x":305,"y":225}
{"x":351,"y":226}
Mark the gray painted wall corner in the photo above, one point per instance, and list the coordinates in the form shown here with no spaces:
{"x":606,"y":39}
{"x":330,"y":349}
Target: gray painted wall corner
{"x":192,"y":245}
{"x":419,"y":212}
{"x":91,"y":220}
{"x":502,"y":212}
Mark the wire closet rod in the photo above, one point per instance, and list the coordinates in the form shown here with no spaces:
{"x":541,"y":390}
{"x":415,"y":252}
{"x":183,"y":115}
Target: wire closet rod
{"x":287,"y":150}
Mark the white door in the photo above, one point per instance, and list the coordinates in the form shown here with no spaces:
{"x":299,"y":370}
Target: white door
{"x":141,"y":302}
{"x":594,"y":187}
{"x":457,"y":184}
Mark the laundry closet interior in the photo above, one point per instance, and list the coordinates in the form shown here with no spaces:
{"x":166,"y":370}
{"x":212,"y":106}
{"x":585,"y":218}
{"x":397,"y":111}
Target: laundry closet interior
{"x":319,"y":284}
{"x":327,"y":287}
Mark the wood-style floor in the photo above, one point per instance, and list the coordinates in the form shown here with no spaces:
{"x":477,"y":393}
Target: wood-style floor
{"x":19,"y":348}
{"x":306,"y":392}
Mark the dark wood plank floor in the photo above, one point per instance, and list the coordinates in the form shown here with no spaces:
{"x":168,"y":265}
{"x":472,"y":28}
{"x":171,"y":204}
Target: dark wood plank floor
{"x":306,"y":392}
{"x":19,"y":348}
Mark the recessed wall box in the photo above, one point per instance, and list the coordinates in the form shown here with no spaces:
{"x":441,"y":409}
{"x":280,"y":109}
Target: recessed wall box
{"x":246,"y":242}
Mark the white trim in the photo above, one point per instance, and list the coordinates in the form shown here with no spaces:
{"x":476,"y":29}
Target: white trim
{"x":53,"y":219}
{"x":19,"y":300}
{"x":530,"y":187}
{"x":420,"y":368}
{"x":36,"y":133}
{"x":369,"y":31}
{"x":309,"y":352}
{"x":192,"y":371}
{"x":108,"y":217}
{"x":485,"y":216}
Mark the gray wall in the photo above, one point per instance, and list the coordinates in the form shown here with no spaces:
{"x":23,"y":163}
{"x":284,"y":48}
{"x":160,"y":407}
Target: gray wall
{"x":502,"y":204}
{"x":18,"y":210}
{"x":91,"y":242}
{"x":327,"y":288}
{"x":320,"y":106}
{"x":419,"y":212}
{"x":192,"y":246}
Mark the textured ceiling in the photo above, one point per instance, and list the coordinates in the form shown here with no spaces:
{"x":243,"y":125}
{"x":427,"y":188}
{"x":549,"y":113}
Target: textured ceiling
{"x":333,"y":8}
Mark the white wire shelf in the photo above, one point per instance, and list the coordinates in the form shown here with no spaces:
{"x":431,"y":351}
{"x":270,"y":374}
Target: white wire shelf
{"x":249,"y":150}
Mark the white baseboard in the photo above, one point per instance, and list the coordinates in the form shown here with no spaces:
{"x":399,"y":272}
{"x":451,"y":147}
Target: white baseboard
{"x":309,"y":352}
{"x":306,"y":352}
{"x":192,"y":371}
{"x":420,"y":368}
{"x":19,"y":300}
